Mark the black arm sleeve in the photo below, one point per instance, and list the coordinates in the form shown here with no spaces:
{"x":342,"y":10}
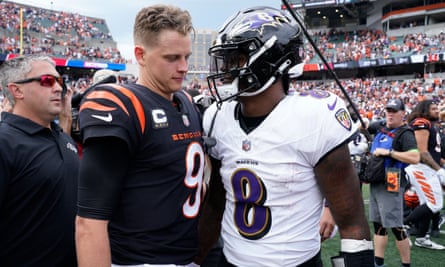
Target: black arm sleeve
{"x":102,"y":171}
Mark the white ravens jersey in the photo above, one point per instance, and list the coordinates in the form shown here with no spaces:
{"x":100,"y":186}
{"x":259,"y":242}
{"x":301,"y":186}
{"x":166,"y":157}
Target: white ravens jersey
{"x":273,"y":205}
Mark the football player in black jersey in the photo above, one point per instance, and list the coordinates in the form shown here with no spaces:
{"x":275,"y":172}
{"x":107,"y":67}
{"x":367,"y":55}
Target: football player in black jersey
{"x":423,"y":120}
{"x":143,"y":159}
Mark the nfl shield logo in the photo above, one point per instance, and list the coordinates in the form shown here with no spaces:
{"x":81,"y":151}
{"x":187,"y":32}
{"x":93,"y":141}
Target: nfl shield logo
{"x":246,"y":145}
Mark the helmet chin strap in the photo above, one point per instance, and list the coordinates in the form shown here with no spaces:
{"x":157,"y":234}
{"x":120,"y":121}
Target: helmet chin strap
{"x":272,"y":79}
{"x":296,"y":71}
{"x":228,"y":90}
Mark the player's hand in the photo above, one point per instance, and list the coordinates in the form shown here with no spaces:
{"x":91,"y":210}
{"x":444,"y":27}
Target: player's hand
{"x":65,"y":115}
{"x":327,"y":225}
{"x":381,"y":152}
{"x":66,"y":101}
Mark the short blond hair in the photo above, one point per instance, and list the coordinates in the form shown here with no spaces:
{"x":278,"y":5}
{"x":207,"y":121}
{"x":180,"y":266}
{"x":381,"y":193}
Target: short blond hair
{"x":150,"y":21}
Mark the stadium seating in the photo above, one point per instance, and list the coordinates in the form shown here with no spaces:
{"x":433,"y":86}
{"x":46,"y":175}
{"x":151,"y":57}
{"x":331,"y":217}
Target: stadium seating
{"x":76,"y":35}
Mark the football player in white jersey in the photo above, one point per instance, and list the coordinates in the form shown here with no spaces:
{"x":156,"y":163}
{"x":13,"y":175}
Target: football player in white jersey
{"x":275,"y":156}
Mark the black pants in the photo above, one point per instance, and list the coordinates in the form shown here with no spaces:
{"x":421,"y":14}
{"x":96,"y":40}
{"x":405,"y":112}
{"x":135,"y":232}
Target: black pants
{"x":314,"y":262}
{"x":214,"y":257}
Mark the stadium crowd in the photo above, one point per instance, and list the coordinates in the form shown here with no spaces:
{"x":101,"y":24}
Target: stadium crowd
{"x":72,"y":35}
{"x":339,"y":46}
{"x":57,"y":33}
{"x":369,"y":95}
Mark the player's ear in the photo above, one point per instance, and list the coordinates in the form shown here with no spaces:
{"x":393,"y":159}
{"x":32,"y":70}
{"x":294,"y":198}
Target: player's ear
{"x":139,"y":53}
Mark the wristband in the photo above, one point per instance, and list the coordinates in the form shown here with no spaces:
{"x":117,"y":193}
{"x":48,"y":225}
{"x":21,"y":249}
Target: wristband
{"x":358,"y":259}
{"x":390,"y":153}
{"x":353,"y":245}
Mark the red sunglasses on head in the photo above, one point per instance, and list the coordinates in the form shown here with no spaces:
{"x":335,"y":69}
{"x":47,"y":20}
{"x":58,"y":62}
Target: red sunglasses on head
{"x":46,"y":80}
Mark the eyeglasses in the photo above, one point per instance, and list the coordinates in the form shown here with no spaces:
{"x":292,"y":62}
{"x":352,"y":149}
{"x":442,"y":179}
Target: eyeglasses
{"x":45,"y":80}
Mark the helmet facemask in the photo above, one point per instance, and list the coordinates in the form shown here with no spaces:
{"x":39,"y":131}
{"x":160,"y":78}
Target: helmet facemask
{"x":232,"y":74}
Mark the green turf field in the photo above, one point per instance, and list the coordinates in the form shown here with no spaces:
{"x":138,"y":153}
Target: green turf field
{"x":420,"y":257}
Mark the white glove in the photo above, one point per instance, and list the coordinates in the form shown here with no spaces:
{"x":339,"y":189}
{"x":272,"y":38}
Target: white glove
{"x":192,"y":264}
{"x":441,"y":174}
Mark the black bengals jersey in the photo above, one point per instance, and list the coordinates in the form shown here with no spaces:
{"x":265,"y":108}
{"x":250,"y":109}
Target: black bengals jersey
{"x":155,"y":221}
{"x":434,"y":140}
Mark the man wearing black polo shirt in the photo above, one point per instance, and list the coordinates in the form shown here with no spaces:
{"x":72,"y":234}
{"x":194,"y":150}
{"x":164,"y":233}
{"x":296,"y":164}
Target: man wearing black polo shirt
{"x":38,"y":167}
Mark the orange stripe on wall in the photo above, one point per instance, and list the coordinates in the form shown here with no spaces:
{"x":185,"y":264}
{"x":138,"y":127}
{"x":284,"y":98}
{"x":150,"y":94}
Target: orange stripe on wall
{"x":311,"y":67}
{"x":413,"y":9}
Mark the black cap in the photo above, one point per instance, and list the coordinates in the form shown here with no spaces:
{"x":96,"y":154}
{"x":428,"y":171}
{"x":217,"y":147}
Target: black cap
{"x":395,"y":104}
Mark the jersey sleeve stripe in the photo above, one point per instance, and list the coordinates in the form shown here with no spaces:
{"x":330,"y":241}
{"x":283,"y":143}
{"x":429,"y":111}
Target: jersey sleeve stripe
{"x":105,"y":95}
{"x":136,"y":104}
{"x":95,"y":106}
{"x":421,"y":122}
